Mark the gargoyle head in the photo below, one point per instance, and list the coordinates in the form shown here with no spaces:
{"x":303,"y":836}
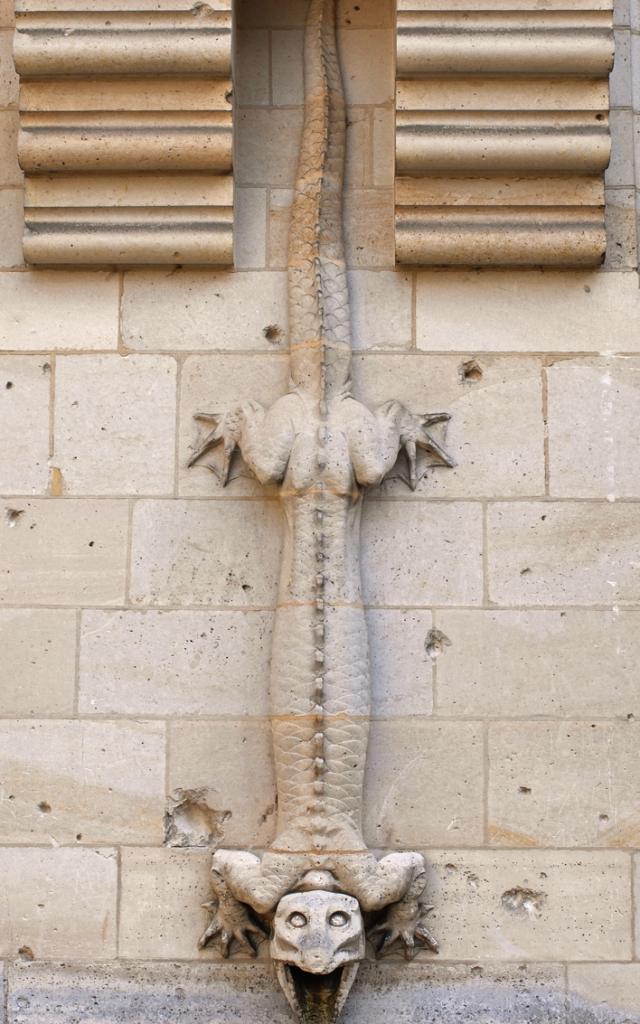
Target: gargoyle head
{"x":318,"y":942}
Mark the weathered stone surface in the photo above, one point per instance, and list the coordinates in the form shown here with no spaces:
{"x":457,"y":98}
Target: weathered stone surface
{"x":11,"y":227}
{"x":606,"y":988}
{"x":58,"y":902}
{"x":506,"y":664}
{"x":536,"y":792}
{"x":10,"y":173}
{"x":620,"y":219}
{"x":563,"y":553}
{"x":620,"y":172}
{"x":414,"y":554}
{"x":176,"y":310}
{"x":594,"y":406}
{"x":531,"y":904}
{"x":424,"y":784}
{"x":85,"y":782}
{"x":64,"y":552}
{"x":498,"y":312}
{"x":190,"y":993}
{"x":251,"y":83}
{"x":205,"y":553}
{"x":369,"y":233}
{"x":267,"y":146}
{"x":24,"y":424}
{"x":115,"y":424}
{"x":233,"y":763}
{"x":8,"y":76}
{"x":381,"y":308}
{"x":496,"y":429}
{"x":161,"y":897}
{"x":250,"y":228}
{"x":215,"y":383}
{"x":39,"y":661}
{"x":47,"y":310}
{"x":401,"y":668}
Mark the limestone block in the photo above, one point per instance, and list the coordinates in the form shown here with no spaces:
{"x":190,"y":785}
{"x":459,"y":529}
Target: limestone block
{"x":213,"y":383}
{"x":620,"y":78}
{"x":620,"y":217}
{"x":563,"y":553}
{"x":531,"y":905}
{"x":535,"y":662}
{"x":251,"y":86}
{"x":232,"y":762}
{"x":421,"y":554}
{"x":6,"y":13}
{"x":424,"y":784}
{"x":11,"y":227}
{"x":52,"y":309}
{"x":64,"y":552}
{"x":607,"y":988}
{"x":8,"y":76}
{"x":383,"y":147}
{"x":115,"y":421}
{"x":496,"y":429}
{"x":173,"y":663}
{"x":59,"y":902}
{"x":86,"y":782}
{"x":39,"y":661}
{"x":202,"y":310}
{"x":359,"y":52}
{"x":267,"y":146}
{"x":380,"y":308}
{"x":497,"y":312}
{"x":593,"y":411}
{"x":287,"y":70}
{"x":272,"y":14}
{"x":250,"y":228}
{"x":401,"y":668}
{"x":205,"y":552}
{"x":25,"y":383}
{"x":619,"y":173}
{"x":192,"y":993}
{"x":368,"y":222}
{"x":161,"y":915}
{"x":537,"y":790}
{"x":10,"y":173}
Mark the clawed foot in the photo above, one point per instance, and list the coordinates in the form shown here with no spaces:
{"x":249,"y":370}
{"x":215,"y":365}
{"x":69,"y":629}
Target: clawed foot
{"x":404,"y":922}
{"x":230,"y":921}
{"x":414,"y":435}
{"x":227,"y":431}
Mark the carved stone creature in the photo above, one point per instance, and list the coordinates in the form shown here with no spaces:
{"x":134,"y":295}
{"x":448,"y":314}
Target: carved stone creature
{"x":323,"y":448}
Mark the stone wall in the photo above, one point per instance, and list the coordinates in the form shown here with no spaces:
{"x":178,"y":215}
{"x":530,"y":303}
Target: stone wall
{"x":136,"y":597}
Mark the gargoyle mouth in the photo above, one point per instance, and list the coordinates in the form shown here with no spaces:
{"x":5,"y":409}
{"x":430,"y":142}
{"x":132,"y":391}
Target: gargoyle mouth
{"x":316,"y":998}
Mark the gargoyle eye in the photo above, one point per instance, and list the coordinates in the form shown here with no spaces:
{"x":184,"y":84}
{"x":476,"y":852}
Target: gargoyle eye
{"x":339,"y":919}
{"x":297,"y":920}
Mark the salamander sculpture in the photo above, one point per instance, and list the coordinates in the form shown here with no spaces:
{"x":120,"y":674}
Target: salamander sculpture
{"x":318,"y":886}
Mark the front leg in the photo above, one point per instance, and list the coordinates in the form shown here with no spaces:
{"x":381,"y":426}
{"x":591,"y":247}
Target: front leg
{"x":230,"y":920}
{"x":405,"y":922}
{"x":401,"y":430}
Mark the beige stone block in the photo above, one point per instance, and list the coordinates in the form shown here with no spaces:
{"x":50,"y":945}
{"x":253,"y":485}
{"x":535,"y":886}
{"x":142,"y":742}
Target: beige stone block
{"x":278,"y":221}
{"x":424,"y":784}
{"x":212,"y":383}
{"x":549,"y":311}
{"x":50,"y":309}
{"x":293,"y":13}
{"x":25,"y":383}
{"x":401,"y":668}
{"x":267,"y":143}
{"x":528,"y":905}
{"x":10,"y":227}
{"x":39,"y":661}
{"x":161,"y":897}
{"x":58,"y":902}
{"x":233,"y":763}
{"x":287,"y":69}
{"x":8,"y":77}
{"x":174,"y":663}
{"x":511,"y":664}
{"x":64,"y":552}
{"x":621,"y":12}
{"x":197,"y":309}
{"x":563,"y":553}
{"x":593,"y":413}
{"x":496,"y":430}
{"x":250,"y":228}
{"x":383,"y":147}
{"x":620,"y":78}
{"x":6,"y":13}
{"x":358,"y":169}
{"x":86,"y":782}
{"x":205,"y":552}
{"x":537,"y":790}
{"x":422,"y":554}
{"x":620,"y":173}
{"x":360,"y":52}
{"x":620,"y":219}
{"x":251,"y":85}
{"x":369,"y":228}
{"x":10,"y":173}
{"x":115,"y":422}
{"x":381,"y":308}
{"x":606,"y":987}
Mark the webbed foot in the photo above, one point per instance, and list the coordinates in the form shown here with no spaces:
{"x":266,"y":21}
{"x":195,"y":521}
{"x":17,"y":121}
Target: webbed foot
{"x":227,"y":431}
{"x":414,"y":435}
{"x":404,"y":922}
{"x":230,"y":921}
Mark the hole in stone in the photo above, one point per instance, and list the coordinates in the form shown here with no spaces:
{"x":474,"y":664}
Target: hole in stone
{"x":526,"y":571}
{"x":524,"y":902}
{"x":26,"y":953}
{"x":524,"y":789}
{"x":12,"y":515}
{"x":436,"y":643}
{"x":272,"y":332}
{"x":190,"y":821}
{"x":471,"y":371}
{"x":44,"y":807}
{"x":9,"y":385}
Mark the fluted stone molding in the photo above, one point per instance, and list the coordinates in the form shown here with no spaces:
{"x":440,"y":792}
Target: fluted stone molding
{"x":126,"y":130}
{"x":502,"y":135}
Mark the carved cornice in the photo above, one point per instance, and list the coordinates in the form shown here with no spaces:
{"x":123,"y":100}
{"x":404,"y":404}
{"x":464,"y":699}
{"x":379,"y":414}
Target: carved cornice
{"x":502,"y":133}
{"x":126,"y":130}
